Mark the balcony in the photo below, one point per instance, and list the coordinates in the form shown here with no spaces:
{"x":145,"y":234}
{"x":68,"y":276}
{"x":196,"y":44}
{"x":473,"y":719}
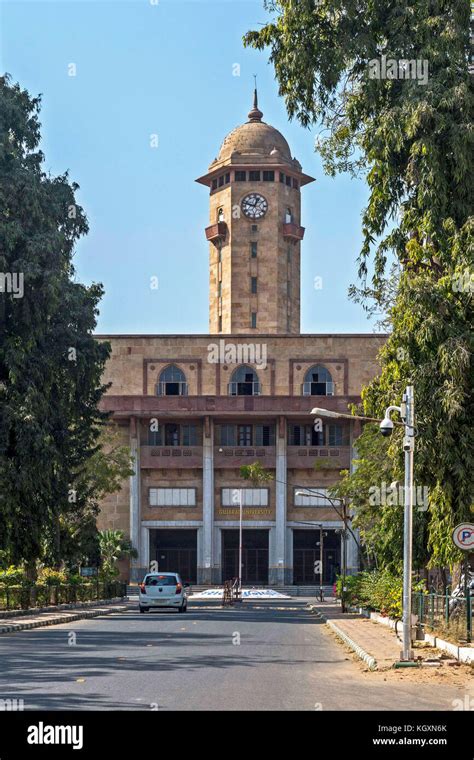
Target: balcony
{"x":171,"y":457}
{"x":243,"y":388}
{"x":216,"y":232}
{"x":293,"y":232}
{"x":319,"y":457}
{"x":318,"y":389}
{"x":236,"y":456}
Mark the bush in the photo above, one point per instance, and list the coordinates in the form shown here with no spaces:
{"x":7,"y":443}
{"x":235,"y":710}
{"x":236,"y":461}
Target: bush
{"x":49,"y":577}
{"x":13,"y":576}
{"x":377,"y":590}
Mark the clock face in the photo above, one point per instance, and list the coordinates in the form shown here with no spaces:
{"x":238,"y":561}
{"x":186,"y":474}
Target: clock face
{"x":254,"y":206}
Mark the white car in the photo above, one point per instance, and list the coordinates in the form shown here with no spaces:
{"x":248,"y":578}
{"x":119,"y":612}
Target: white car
{"x":162,"y":590}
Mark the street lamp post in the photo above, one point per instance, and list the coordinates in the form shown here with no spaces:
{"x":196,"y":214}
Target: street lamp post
{"x":407,"y":413}
{"x":314,"y":492}
{"x":240,"y":542}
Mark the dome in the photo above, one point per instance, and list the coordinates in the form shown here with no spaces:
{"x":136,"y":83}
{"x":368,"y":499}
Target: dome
{"x":255,"y":137}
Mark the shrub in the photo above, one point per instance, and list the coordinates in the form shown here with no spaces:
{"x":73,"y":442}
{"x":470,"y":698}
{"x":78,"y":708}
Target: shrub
{"x":49,"y":577}
{"x":377,"y":590}
{"x":13,"y":576}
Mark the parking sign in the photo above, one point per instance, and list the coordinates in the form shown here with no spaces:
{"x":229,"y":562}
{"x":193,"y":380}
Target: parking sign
{"x":463,"y":536}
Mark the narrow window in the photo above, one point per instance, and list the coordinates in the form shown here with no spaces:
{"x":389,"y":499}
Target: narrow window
{"x":219,"y":324}
{"x":227,"y":178}
{"x":268,"y":176}
{"x":254,"y":320}
{"x":254,"y":228}
{"x":282,"y":177}
{"x":254,"y":176}
{"x":253,"y":249}
{"x":221,"y":180}
{"x":214,"y":184}
{"x":288,"y":181}
{"x":240,"y":176}
{"x":253,"y":285}
{"x":244,"y":435}
{"x":295,"y":184}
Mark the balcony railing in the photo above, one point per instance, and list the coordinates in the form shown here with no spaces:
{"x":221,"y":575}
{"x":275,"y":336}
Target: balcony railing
{"x":172,"y":389}
{"x":292,"y":231}
{"x":318,"y":389}
{"x":244,"y":389}
{"x":216,"y":232}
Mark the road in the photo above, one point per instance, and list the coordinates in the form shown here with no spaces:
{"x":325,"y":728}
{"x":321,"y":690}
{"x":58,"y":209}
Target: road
{"x":286,"y":660}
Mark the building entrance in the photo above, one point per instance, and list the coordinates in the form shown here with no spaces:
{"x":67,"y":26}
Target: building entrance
{"x":254,"y":556}
{"x":306,"y":553}
{"x":175,"y":551}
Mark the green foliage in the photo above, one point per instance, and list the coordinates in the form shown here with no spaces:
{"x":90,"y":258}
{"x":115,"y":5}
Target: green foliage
{"x":52,"y":470}
{"x":415,"y":144}
{"x":379,"y":461}
{"x":113,"y":547}
{"x":377,"y":590}
{"x":255,"y":473}
{"x":13,"y":576}
{"x":50,"y":577}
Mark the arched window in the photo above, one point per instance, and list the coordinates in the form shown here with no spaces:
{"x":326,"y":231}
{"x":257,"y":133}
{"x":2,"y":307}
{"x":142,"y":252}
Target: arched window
{"x":288,"y":216}
{"x":220,"y":214}
{"x":172,"y":382}
{"x":244,"y":382}
{"x":318,"y":382}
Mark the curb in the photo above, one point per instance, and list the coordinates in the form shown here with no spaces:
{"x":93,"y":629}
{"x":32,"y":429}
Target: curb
{"x":58,"y":619}
{"x":361,"y":653}
{"x":31,"y":611}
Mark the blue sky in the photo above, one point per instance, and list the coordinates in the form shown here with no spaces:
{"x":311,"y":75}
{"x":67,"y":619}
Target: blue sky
{"x":167,"y":69}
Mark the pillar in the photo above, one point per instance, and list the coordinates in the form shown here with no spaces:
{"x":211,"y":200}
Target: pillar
{"x":136,"y":566}
{"x":205,"y":555}
{"x":277,"y":575}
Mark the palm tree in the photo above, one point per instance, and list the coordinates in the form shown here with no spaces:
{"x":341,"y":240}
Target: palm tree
{"x":114,"y":546}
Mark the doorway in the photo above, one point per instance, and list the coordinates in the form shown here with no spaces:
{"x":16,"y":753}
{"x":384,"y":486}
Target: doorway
{"x":175,"y":551}
{"x":306,"y":553}
{"x":254,"y":555}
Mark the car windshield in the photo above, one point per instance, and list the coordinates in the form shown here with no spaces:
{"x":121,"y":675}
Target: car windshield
{"x":160,"y":580}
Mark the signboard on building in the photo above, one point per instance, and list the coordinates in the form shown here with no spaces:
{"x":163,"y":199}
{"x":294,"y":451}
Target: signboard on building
{"x":86,"y":572}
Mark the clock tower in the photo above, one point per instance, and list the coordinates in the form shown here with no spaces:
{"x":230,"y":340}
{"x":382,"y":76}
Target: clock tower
{"x":254,"y":232}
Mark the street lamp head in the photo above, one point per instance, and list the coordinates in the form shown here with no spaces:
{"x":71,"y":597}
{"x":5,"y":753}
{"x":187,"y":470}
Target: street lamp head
{"x":324,"y":412}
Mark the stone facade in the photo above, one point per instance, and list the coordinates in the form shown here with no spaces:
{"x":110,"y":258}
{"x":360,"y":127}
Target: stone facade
{"x":195,"y":408}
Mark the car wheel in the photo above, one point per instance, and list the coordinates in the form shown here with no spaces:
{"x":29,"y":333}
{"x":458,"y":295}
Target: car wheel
{"x":144,"y":609}
{"x":183,"y":608}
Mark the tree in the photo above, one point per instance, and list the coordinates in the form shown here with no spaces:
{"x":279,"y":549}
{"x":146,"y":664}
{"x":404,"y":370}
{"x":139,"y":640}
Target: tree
{"x":50,"y":363}
{"x":378,"y":509}
{"x":102,"y":474}
{"x":412,"y":137}
{"x":113,"y":547}
{"x":255,"y":473}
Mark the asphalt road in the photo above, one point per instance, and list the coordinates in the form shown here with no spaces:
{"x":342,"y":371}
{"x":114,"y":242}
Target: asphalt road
{"x":286,"y":660}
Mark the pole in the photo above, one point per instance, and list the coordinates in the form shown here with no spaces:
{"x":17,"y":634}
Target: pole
{"x":467,"y":594}
{"x":408,"y":445}
{"x":344,"y":558}
{"x":240,"y":542}
{"x":321,"y":569}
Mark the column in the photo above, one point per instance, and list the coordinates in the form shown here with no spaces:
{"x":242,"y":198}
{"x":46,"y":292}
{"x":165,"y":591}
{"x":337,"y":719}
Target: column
{"x":277,"y":574}
{"x":351,"y":546}
{"x":205,"y":574}
{"x":135,"y":488}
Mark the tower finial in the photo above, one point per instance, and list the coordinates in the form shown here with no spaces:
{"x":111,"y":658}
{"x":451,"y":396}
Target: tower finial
{"x":255,"y":114}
